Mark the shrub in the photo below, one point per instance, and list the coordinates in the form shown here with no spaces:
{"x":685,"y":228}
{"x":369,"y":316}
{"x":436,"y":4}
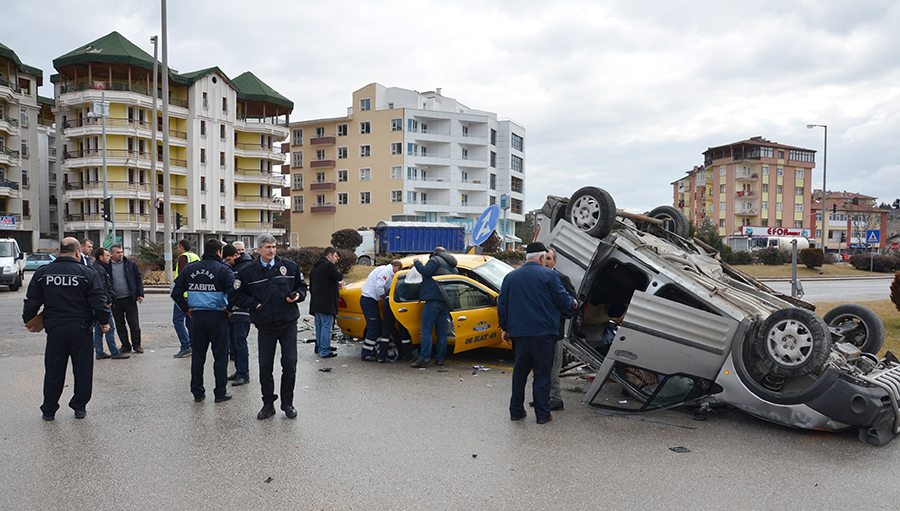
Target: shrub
{"x":510,"y":257}
{"x":346,"y":239}
{"x":832,"y":258}
{"x":895,"y":291}
{"x":811,"y":257}
{"x":381,"y":260}
{"x":305,"y":258}
{"x":347,"y":260}
{"x":736,"y":257}
{"x":773,"y":257}
{"x":876,"y":263}
{"x":492,"y":244}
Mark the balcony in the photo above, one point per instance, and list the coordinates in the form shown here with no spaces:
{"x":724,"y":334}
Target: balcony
{"x":114,"y":92}
{"x":323,"y":185}
{"x":325,"y":208}
{"x":260,"y":227}
{"x":9,"y":188}
{"x":321,"y":164}
{"x":324,"y":140}
{"x":8,"y":156}
{"x":258,"y":202}
{"x":746,"y":176}
{"x":746,"y":212}
{"x":9,"y":125}
{"x":242,"y":175}
{"x":746,"y":194}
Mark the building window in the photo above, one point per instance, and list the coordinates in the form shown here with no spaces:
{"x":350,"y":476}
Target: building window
{"x":24,"y":147}
{"x":396,"y":172}
{"x":492,"y":200}
{"x":298,"y":136}
{"x":765,"y":204}
{"x":365,"y":151}
{"x":396,"y":124}
{"x":516,"y":163}
{"x":723,"y":170}
{"x":320,"y":132}
{"x":396,"y":148}
{"x":798,"y":191}
{"x":765,"y":170}
{"x":365,"y":197}
{"x":202,"y":155}
{"x":516,"y":185}
{"x":365,"y":104}
{"x":778,"y":189}
{"x":721,"y":222}
{"x":777,"y":223}
{"x":780,"y":157}
{"x":493,"y":159}
{"x":722,"y":188}
{"x":799,"y":174}
{"x":412,"y":125}
{"x":464,"y":199}
{"x":297,"y":203}
{"x":320,"y":177}
{"x":411,"y":197}
{"x":222,"y":158}
{"x":342,"y":153}
{"x":297,"y":159}
{"x":780,"y":172}
{"x":320,"y":200}
{"x":722,"y":206}
{"x":777,"y":206}
{"x":342,"y":176}
{"x":412,"y":173}
{"x":202,"y":128}
{"x":365,"y":127}
{"x":342,"y":130}
{"x":225,"y":105}
{"x":518,"y":143}
{"x":202,"y":183}
{"x":320,"y":154}
{"x":798,"y":208}
{"x":342,"y":199}
{"x":205,"y":101}
{"x":203,"y":211}
{"x":396,"y":195}
{"x":221,"y":186}
{"x":297,"y":181}
{"x":493,"y":180}
{"x":412,"y":149}
{"x":765,"y":188}
{"x":222,"y":131}
{"x":515,"y":206}
{"x":221,"y":212}
{"x":798,"y":224}
{"x":493,"y":137}
{"x":365,"y":174}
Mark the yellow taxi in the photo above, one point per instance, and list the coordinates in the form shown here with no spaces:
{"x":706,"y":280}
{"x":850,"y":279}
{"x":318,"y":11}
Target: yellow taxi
{"x":471,"y":297}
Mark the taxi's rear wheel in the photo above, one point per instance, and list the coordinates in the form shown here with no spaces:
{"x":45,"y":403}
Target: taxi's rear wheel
{"x":793,"y":342}
{"x":862,"y":327}
{"x":592,"y":210}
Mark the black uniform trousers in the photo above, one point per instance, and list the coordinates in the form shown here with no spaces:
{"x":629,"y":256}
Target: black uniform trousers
{"x":532,"y":353}
{"x":73,"y":341}
{"x":268,"y":339}
{"x":125,"y":313}
{"x":209,"y":328}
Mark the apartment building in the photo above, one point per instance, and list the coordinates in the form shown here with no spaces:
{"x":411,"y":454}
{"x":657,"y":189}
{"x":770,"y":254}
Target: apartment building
{"x":850,"y":217}
{"x":749,"y":188}
{"x":20,"y":121}
{"x":402,"y":155}
{"x":224,"y":146}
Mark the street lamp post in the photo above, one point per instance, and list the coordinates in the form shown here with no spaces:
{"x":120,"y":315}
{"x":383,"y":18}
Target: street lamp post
{"x":153,"y":210}
{"x":824,"y":170}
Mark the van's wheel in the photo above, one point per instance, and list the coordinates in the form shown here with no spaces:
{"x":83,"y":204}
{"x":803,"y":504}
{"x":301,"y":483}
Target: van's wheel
{"x":673,"y":219}
{"x":793,"y":342}
{"x":16,"y":284}
{"x":859,"y":325}
{"x":592,"y":210}
{"x":364,"y":261}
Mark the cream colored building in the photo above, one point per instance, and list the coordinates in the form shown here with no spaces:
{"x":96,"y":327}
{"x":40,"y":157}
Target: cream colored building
{"x":224,"y":139}
{"x":402,"y":155}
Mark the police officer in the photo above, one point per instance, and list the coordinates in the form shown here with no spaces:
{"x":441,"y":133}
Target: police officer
{"x":270,"y":289}
{"x":206,"y":283}
{"x":238,"y":322}
{"x":73,"y":298}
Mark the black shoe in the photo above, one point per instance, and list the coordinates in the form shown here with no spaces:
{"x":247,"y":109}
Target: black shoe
{"x":518,"y":417}
{"x":181,"y":353}
{"x":101,"y":356}
{"x":80,"y":414}
{"x":239,"y":381}
{"x":422,"y":362}
{"x":119,"y":356}
{"x":223,"y":398}
{"x":557,"y":405}
{"x":545,"y":421}
{"x":48,"y":418}
{"x":232,"y":377}
{"x":267,"y":411}
{"x":199,"y":398}
{"x":126,"y":348}
{"x":138,"y":349}
{"x":290,"y":412}
{"x":330,"y":355}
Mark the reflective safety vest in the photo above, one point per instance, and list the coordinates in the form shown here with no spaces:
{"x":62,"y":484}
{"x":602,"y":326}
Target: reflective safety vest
{"x":191,"y":257}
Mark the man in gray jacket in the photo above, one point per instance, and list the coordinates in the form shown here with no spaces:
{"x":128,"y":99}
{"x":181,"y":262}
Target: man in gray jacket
{"x":102,"y":255}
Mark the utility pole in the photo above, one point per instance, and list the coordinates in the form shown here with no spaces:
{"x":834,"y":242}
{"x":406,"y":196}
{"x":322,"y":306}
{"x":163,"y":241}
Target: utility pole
{"x":167,"y":215}
{"x":153,"y":212}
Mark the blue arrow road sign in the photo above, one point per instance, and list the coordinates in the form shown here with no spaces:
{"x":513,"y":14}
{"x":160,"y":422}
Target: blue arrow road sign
{"x":486,"y":224}
{"x":873,"y":237}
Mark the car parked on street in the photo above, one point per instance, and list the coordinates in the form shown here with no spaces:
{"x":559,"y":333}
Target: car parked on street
{"x":36,"y":260}
{"x":664,"y":322}
{"x":471,"y":297}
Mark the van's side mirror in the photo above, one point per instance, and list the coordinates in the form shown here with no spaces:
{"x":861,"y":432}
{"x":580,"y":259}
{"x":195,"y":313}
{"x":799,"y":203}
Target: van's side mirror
{"x":21,"y":255}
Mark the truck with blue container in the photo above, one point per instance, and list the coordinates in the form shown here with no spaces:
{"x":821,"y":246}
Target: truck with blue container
{"x":405,"y":238}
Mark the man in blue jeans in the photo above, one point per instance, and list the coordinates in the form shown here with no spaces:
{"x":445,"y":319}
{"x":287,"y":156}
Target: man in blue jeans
{"x":435,"y":313}
{"x":102,"y":255}
{"x":325,"y":282}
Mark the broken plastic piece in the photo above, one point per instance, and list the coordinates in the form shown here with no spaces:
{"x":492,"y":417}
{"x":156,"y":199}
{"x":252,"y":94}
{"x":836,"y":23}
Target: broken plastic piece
{"x":679,"y":450}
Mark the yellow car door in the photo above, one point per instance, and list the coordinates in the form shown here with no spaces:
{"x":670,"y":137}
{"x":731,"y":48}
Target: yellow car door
{"x":473,"y":310}
{"x":406,"y":306}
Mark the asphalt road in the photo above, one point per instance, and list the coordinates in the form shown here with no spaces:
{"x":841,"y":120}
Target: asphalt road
{"x":385,"y":436}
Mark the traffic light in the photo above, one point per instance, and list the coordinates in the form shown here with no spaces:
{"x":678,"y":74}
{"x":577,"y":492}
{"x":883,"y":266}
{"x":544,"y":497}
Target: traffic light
{"x":107,"y":212}
{"x":178,"y":218}
{"x":896,"y":204}
{"x":834,"y":208}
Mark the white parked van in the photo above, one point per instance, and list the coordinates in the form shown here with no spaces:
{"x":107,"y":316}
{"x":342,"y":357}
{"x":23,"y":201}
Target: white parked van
{"x":12,"y":264}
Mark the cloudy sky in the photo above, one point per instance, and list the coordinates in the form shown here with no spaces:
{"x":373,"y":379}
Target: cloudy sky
{"x":625,"y":95}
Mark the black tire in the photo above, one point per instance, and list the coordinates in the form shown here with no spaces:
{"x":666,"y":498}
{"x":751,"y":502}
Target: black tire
{"x":867,"y":335}
{"x":592,"y":210}
{"x":675,"y":221}
{"x":364,"y":261}
{"x":793,"y":342}
{"x":16,"y":284}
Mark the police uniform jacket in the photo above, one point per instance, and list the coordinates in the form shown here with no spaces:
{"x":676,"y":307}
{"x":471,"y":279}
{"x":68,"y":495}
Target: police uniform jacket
{"x":440,"y":263}
{"x":324,"y":288}
{"x":531,"y":298}
{"x":132,"y":276}
{"x":239,"y":315}
{"x":207,"y":283}
{"x":70,"y":293}
{"x":263,"y":292}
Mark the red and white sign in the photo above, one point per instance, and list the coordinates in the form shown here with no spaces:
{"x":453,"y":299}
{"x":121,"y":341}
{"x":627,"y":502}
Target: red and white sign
{"x":895,"y":246}
{"x":757,"y":230}
{"x":100,"y":85}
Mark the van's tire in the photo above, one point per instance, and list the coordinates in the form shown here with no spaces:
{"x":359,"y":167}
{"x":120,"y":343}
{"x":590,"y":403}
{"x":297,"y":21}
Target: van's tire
{"x":364,"y":261}
{"x":793,"y":342}
{"x":592,"y":210}
{"x":868,"y":335}
{"x":675,"y":221}
{"x":16,"y":284}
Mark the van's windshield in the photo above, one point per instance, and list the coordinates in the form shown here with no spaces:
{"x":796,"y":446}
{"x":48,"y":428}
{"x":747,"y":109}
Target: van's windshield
{"x":6,"y":249}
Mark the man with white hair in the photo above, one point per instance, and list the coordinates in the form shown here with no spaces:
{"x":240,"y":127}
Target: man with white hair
{"x":531,"y":299}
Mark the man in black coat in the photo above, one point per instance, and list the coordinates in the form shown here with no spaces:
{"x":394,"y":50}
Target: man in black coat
{"x":556,"y":402}
{"x":128,"y":284}
{"x":325,"y":282}
{"x":73,"y":298}
{"x":270,"y":288}
{"x":238,"y":321}
{"x":102,"y":256}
